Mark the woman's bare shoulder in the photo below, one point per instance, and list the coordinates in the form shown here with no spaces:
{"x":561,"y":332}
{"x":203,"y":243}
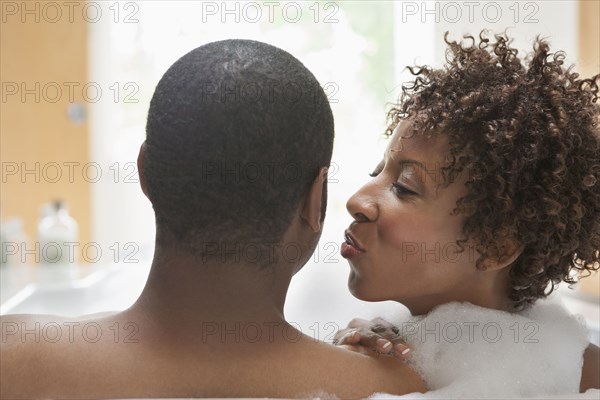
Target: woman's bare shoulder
{"x":590,"y":374}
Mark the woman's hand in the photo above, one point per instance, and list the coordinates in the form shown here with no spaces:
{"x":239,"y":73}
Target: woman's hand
{"x":377,"y":334}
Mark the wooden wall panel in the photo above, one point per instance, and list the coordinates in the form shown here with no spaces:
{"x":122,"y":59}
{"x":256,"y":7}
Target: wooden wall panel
{"x":35,"y":132}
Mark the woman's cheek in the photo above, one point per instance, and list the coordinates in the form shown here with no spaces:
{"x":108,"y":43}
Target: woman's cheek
{"x":393,"y":232}
{"x":403,"y":241}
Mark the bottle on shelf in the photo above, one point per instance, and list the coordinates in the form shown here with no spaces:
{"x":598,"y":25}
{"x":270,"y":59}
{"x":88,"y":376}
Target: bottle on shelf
{"x":57,"y":240}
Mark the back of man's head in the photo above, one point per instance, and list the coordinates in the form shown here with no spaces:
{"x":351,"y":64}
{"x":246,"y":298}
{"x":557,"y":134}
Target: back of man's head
{"x":237,"y":131}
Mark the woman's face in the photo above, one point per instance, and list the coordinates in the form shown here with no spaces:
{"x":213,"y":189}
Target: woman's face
{"x":402,"y":223}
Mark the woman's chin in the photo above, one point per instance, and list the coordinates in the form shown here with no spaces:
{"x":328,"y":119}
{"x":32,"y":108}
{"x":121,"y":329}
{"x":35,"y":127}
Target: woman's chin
{"x":354,"y":286}
{"x":368,"y":292}
{"x":361,"y":291}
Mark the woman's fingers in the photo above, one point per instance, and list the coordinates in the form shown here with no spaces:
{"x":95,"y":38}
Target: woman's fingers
{"x":401,"y":350}
{"x":384,"y":328}
{"x":346,"y":336}
{"x":348,"y":332}
{"x":366,"y":338}
{"x":392,"y":333}
{"x":378,"y":335}
{"x":360,"y":323}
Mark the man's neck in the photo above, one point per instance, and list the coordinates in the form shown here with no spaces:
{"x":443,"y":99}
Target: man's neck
{"x":184,"y":290}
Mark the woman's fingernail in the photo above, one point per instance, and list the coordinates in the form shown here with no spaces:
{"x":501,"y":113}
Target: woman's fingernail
{"x":401,"y":349}
{"x":384,"y":344}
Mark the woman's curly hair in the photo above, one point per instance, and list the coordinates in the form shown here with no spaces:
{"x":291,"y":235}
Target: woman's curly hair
{"x":528,"y":136}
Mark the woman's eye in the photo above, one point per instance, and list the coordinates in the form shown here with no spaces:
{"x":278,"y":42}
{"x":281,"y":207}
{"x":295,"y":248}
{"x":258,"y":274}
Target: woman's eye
{"x":401,"y":190}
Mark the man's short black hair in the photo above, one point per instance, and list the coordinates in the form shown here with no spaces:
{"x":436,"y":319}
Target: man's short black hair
{"x":237,"y":131}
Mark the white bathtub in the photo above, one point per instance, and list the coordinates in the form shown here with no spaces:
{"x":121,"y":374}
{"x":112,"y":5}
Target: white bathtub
{"x":107,"y":288}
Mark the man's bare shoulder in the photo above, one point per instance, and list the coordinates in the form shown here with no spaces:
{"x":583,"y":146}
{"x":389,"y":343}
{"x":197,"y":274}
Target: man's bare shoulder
{"x":298,"y":367}
{"x":47,"y":347}
{"x":20,"y":330}
{"x":24,"y":351}
{"x":359,"y":374}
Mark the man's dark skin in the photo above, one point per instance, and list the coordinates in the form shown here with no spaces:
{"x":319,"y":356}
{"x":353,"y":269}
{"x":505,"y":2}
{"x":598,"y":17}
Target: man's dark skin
{"x":180,"y":338}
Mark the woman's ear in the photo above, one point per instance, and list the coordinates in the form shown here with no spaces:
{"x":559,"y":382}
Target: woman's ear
{"x":504,"y":255}
{"x":140,"y":167}
{"x":314,"y":201}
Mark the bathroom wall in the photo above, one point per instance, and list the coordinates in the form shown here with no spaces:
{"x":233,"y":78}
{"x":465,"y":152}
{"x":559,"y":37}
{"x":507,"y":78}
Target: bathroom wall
{"x":43,"y":67}
{"x":589,"y":37}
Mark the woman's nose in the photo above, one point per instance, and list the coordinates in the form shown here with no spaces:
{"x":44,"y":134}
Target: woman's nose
{"x":362,"y":206}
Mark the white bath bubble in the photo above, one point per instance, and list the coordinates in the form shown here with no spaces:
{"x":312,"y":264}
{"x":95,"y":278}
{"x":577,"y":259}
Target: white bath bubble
{"x":465,"y":351}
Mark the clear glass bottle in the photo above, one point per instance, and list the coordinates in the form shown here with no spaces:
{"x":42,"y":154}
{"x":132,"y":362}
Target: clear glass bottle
{"x":58,"y":233}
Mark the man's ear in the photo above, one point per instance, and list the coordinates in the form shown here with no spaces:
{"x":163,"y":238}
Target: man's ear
{"x":313,"y":202}
{"x":140,"y":167}
{"x":506,"y":254}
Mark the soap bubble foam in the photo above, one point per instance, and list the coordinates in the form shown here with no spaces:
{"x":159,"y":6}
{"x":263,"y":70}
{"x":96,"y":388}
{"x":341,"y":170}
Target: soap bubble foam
{"x":466,"y":351}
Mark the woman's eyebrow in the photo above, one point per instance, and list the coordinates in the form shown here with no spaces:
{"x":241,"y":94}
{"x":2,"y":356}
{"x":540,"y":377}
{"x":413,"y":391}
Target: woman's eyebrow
{"x":421,"y":165}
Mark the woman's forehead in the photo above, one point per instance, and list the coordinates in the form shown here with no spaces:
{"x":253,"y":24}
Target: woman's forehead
{"x":406,"y":142}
